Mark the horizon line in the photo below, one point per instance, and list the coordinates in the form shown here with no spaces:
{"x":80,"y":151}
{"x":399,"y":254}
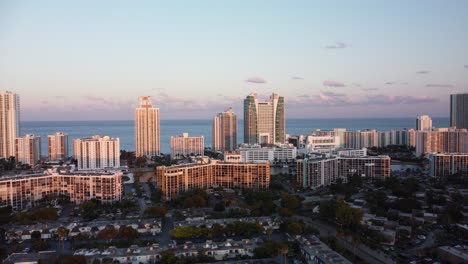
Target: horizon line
{"x":319,"y":118}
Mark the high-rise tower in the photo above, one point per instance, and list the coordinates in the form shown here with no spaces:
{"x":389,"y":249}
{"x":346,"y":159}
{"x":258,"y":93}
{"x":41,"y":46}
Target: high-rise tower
{"x":424,"y":123}
{"x":459,"y":110}
{"x":264,"y":122}
{"x":147,"y":131}
{"x":58,"y":146}
{"x":225,"y":131}
{"x":9,"y":123}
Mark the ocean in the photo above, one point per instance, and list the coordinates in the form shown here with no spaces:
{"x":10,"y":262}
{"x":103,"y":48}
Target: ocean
{"x":125,"y":129}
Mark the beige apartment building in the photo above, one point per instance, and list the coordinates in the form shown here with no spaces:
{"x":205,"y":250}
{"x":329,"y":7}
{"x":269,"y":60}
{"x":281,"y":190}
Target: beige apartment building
{"x":28,"y":149}
{"x":147,"y":129}
{"x":225,"y":131}
{"x":25,"y":191}
{"x":58,"y":146}
{"x":9,"y":123}
{"x":184,"y":145}
{"x":442,"y":140}
{"x":176,"y":179}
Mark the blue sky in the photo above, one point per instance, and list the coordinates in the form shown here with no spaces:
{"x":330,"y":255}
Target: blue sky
{"x":84,"y":60}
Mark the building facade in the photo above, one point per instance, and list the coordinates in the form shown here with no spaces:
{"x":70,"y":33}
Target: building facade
{"x":423,"y":123}
{"x":176,"y":179}
{"x":9,"y":123}
{"x":147,"y":129}
{"x":25,"y":191}
{"x":313,"y":173}
{"x":256,"y":153}
{"x":459,"y":110}
{"x":225,"y":131}
{"x":97,"y":152}
{"x":184,"y":145}
{"x":361,"y":139}
{"x":28,"y":149}
{"x":264,"y":122}
{"x":58,"y":146}
{"x":446,"y":164}
{"x":442,"y":141}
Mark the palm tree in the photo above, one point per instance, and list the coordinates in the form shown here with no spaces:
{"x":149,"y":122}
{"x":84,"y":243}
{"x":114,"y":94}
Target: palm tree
{"x":62,"y":232}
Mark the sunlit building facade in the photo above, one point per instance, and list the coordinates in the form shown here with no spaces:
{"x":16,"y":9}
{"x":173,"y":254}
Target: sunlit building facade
{"x":264,"y":122}
{"x":25,"y":191}
{"x":58,"y":146}
{"x":183,"y":146}
{"x":9,"y":123}
{"x":423,"y":123}
{"x":147,"y":129}
{"x":225,"y":131}
{"x":174,"y":180}
{"x":28,"y":149}
{"x":97,"y":152}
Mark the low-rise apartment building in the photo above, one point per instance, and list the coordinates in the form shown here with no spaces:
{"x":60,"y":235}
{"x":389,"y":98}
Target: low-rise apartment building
{"x":24,"y":191}
{"x":446,"y":164}
{"x":179,"y":178}
{"x":318,"y":172}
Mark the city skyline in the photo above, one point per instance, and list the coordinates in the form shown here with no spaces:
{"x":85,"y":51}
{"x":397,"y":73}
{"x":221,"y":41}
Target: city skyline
{"x":87,"y":61}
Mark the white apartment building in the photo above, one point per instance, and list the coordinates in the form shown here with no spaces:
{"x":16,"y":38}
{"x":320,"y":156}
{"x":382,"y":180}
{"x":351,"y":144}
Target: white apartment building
{"x":318,"y":172}
{"x":97,"y":152}
{"x":9,"y":123}
{"x":28,"y":149}
{"x":58,"y":146}
{"x":423,"y":123}
{"x":322,"y":143}
{"x":184,"y":145}
{"x":147,"y":129}
{"x":255,"y":153}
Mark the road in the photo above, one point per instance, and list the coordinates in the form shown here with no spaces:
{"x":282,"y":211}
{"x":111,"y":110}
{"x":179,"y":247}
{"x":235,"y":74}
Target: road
{"x":360,"y":250}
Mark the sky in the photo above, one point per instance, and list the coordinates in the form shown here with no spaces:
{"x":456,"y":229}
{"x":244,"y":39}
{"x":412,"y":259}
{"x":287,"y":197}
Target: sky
{"x":90,"y":60}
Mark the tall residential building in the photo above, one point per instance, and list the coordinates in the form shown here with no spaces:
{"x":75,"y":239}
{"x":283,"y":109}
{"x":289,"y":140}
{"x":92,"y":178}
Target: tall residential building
{"x":58,"y":146}
{"x":225,"y":131}
{"x":97,"y":152}
{"x":459,"y":110}
{"x":25,"y":191}
{"x":264,"y":122}
{"x":9,"y":123}
{"x":28,"y":149}
{"x":423,"y":123}
{"x":176,"y":179}
{"x":361,"y":139}
{"x":147,"y":130}
{"x":184,"y":145}
{"x":442,"y":141}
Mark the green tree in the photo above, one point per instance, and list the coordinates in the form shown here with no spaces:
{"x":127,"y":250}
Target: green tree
{"x":62,"y":233}
{"x":295,"y":228}
{"x":156,"y":211}
{"x":128,"y":233}
{"x":36,"y":234}
{"x":346,"y":215}
{"x":108,"y":233}
{"x":219,"y":207}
